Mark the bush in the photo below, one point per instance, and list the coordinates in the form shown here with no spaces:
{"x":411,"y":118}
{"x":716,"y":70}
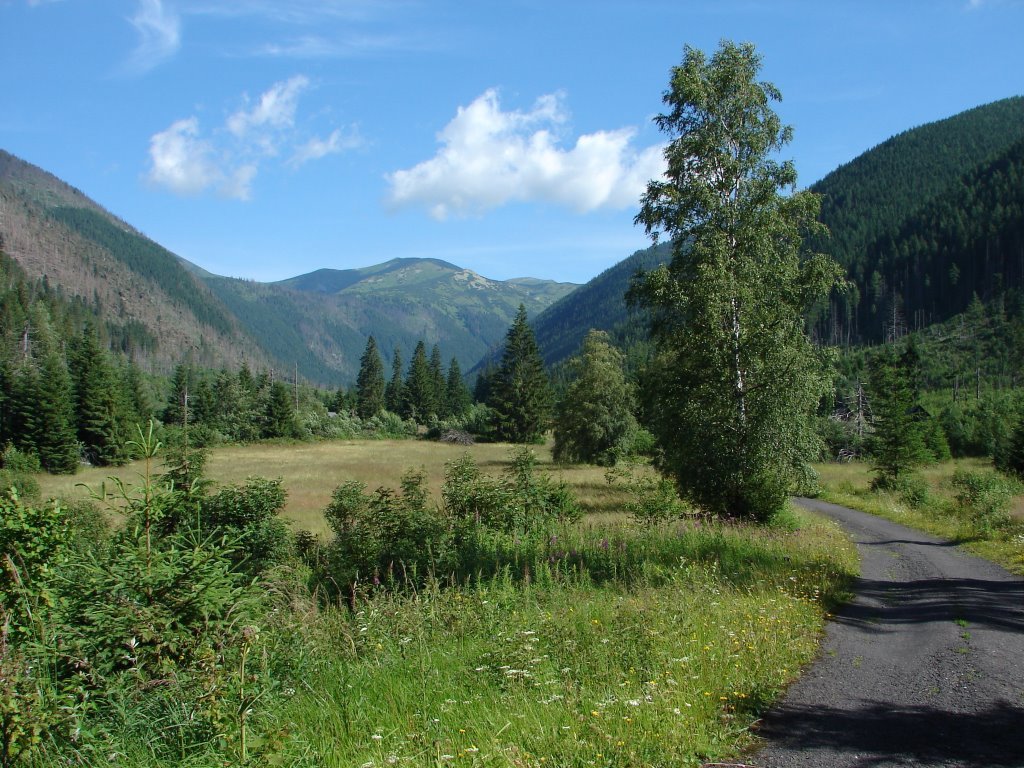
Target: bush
{"x":248,"y":515}
{"x":386,"y":537}
{"x":984,"y":498}
{"x":912,"y":490}
{"x":654,"y":497}
{"x":26,"y":486}
{"x":16,"y":460}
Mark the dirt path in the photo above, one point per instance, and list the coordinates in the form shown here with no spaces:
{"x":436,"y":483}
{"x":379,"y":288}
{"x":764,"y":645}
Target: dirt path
{"x":925,"y":667}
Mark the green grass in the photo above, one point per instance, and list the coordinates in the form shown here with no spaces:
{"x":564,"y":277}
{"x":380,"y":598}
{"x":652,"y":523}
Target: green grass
{"x":665,"y":664}
{"x":311,"y":471}
{"x":600,"y":643}
{"x":850,"y":485}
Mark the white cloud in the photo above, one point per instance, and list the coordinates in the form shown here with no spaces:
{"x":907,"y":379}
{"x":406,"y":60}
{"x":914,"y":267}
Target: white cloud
{"x":180,"y":160}
{"x":185,"y":161}
{"x":159,"y":31}
{"x":334,"y":144}
{"x":275,"y":109}
{"x":489,"y":158}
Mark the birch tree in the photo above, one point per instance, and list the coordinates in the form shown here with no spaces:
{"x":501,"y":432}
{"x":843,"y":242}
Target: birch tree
{"x":736,"y":379}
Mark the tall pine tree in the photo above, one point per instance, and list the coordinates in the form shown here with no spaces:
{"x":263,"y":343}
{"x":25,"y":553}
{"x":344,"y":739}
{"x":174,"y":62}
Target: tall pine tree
{"x":394,"y":392}
{"x":370,"y":382}
{"x":419,"y":387}
{"x":521,"y":394}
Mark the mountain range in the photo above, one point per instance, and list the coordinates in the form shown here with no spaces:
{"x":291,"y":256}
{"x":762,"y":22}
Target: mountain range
{"x":163,"y":309}
{"x":923,"y":223}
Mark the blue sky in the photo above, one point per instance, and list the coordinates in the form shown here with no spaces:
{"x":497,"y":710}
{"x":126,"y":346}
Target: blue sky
{"x":265,"y":139}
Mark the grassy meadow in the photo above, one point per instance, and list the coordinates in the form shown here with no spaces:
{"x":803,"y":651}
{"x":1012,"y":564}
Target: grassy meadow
{"x":600,"y":642}
{"x":311,"y":471}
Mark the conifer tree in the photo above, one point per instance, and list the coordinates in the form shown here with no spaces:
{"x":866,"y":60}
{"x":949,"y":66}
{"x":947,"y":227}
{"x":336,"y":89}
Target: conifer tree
{"x":419,"y":386}
{"x":101,"y":411}
{"x":370,"y":382}
{"x":456,"y":393}
{"x":437,"y":381}
{"x":521,"y":392}
{"x":55,"y":417}
{"x":280,"y":412}
{"x":182,"y":382}
{"x":394,"y":394}
{"x":898,"y":442}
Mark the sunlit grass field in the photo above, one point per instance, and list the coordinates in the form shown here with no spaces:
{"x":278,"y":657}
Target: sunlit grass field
{"x":633,"y":646}
{"x":849,"y":484}
{"x":311,"y":471}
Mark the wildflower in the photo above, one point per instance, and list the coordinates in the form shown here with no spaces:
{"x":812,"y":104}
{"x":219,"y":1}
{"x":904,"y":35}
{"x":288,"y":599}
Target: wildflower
{"x":376,"y":737}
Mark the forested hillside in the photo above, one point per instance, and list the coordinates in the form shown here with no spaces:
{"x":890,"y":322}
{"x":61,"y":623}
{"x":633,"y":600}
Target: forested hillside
{"x":152,"y":307}
{"x":923,"y":223}
{"x":599,"y":305}
{"x":320,"y":321}
{"x":925,"y":220}
{"x":160,"y":310}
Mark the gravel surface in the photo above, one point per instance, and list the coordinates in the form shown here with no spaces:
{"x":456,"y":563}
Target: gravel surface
{"x":925,"y":667}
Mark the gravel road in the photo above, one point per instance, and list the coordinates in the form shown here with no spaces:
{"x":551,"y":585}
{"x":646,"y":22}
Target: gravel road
{"x":925,"y":667}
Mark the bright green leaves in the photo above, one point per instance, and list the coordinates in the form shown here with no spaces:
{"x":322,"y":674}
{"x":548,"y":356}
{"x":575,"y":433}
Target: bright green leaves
{"x":736,"y":379}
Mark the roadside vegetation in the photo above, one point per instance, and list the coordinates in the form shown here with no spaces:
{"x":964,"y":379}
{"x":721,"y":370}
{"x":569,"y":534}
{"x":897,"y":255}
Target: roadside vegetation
{"x":965,"y":501}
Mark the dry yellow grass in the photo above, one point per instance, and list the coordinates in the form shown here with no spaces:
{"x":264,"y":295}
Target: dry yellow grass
{"x":311,"y":471}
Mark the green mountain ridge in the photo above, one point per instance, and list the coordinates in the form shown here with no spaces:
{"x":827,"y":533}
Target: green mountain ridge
{"x":161,"y":309}
{"x":922,"y":222}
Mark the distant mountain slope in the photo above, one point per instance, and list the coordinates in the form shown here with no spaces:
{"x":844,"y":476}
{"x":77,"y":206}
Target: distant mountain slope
{"x":144,"y":293}
{"x":599,"y":304}
{"x":161,"y":309}
{"x":921,"y":222}
{"x":320,"y":320}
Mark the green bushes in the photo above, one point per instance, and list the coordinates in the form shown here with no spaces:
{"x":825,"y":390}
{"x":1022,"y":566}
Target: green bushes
{"x":393,"y":538}
{"x":984,"y":498}
{"x":145,"y":643}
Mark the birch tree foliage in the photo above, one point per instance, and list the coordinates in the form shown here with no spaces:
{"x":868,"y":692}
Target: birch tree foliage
{"x":736,"y":380}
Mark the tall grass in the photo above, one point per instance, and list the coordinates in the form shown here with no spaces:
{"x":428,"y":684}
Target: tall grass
{"x":608,"y":646}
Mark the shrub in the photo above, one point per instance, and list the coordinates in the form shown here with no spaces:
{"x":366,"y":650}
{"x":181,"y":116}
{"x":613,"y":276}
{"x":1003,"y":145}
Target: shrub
{"x":248,"y":515}
{"x":26,"y":486}
{"x":654,"y":499}
{"x":386,"y":537}
{"x":984,"y":498}
{"x":16,"y":460}
{"x":911,"y":489}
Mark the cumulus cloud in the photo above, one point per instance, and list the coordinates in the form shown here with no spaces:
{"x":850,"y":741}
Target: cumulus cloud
{"x":159,"y":30}
{"x":186,"y":161}
{"x":490,"y":157}
{"x":181,"y":160}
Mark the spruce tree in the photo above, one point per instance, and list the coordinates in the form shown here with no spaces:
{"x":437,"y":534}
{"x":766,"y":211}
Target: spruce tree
{"x":521,"y":392}
{"x":394,"y":392}
{"x":437,"y":382}
{"x":419,"y":387}
{"x":897,"y":444}
{"x":370,"y":382}
{"x":55,"y":437}
{"x":456,"y":394}
{"x":279,"y":419}
{"x":102,"y":418}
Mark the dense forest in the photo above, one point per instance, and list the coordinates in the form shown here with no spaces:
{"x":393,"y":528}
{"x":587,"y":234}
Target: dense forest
{"x":923,"y":222}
